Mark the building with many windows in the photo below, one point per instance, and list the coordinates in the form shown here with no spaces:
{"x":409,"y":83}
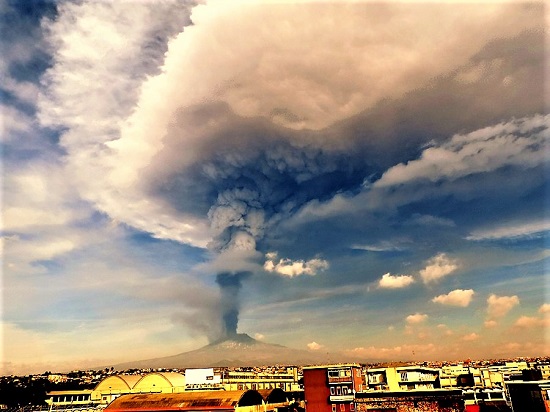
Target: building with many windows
{"x":332,"y":388}
{"x":402,"y":378}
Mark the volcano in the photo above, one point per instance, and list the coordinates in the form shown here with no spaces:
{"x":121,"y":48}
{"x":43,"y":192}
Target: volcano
{"x":236,"y":350}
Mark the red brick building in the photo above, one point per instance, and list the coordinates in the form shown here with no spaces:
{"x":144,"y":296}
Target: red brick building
{"x":332,"y":388}
{"x":341,"y":388}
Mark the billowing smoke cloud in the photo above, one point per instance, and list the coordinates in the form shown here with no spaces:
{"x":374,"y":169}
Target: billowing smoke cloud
{"x":239,"y":125}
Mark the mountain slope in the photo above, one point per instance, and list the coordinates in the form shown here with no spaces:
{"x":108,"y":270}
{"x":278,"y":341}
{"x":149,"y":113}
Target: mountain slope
{"x":238,"y":350}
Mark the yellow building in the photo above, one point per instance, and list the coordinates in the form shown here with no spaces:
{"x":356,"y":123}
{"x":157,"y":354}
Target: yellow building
{"x":113,"y":386}
{"x":402,"y":378}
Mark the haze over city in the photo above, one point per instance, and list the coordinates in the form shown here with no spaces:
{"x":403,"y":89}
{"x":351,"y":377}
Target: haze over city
{"x":363,"y":178}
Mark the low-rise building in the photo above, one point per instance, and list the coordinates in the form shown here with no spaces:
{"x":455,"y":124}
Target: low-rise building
{"x":531,"y":396}
{"x":332,"y":388}
{"x":286,"y":379}
{"x":435,"y":400}
{"x":402,"y":378}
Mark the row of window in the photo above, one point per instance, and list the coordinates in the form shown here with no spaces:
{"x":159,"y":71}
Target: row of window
{"x":241,"y":386}
{"x":69,"y":398}
{"x":229,"y":378}
{"x":343,"y":407}
{"x":340,"y":390}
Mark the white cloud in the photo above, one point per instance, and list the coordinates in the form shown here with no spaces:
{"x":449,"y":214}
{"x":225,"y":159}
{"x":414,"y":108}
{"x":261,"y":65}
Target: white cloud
{"x":445,"y":329}
{"x":511,"y":230}
{"x":314,"y":346}
{"x":380,"y":247}
{"x":259,"y":336}
{"x":490,"y":323}
{"x":13,"y":122}
{"x":527,"y":322}
{"x":291,"y":268}
{"x":438,"y":267}
{"x":103,"y":52}
{"x":416,"y":318}
{"x":470,"y":337}
{"x":425,"y":351}
{"x":390,"y":281}
{"x":499,"y":306}
{"x":515,"y":143}
{"x":457,"y":297}
{"x":544,"y":308}
{"x":480,"y":151}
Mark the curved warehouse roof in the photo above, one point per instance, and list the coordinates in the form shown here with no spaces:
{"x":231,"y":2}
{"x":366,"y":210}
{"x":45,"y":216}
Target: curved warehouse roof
{"x":152,"y":382}
{"x":117,"y":383}
{"x":159,"y":381}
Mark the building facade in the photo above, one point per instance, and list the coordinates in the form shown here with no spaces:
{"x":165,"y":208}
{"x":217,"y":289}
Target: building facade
{"x":332,"y":388}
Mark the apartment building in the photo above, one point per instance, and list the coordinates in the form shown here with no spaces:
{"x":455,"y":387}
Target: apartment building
{"x":402,"y":378}
{"x":332,"y":388}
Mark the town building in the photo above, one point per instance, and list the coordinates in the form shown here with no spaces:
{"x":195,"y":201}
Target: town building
{"x":332,"y":388}
{"x":342,"y":388}
{"x":284,"y":378}
{"x":402,"y":378}
{"x":434,"y":400}
{"x":75,"y":398}
{"x":114,"y":386}
{"x":528,"y":396}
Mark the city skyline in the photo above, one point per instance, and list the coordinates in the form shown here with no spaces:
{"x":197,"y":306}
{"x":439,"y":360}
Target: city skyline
{"x":366,"y":178}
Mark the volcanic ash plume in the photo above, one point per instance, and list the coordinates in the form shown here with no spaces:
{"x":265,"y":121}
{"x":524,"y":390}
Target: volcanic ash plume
{"x":230,"y":285}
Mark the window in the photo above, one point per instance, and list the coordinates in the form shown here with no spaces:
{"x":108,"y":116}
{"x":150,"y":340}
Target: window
{"x":332,"y":390}
{"x":352,"y":407}
{"x":338,"y":390}
{"x":342,"y":407}
{"x":333,"y":408}
{"x":344,"y":390}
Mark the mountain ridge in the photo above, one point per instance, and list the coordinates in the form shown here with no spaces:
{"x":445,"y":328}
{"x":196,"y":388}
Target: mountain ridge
{"x":235,"y":350}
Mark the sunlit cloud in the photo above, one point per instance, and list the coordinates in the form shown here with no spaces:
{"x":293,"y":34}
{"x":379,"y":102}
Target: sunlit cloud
{"x":416,"y":318}
{"x":511,"y":231}
{"x":470,"y":337}
{"x":291,"y":268}
{"x":527,"y":322}
{"x":457,"y":297}
{"x":499,"y":306}
{"x":438,"y":267}
{"x":389,"y":281}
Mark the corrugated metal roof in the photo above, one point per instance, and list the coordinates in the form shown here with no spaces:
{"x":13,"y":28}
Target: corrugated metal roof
{"x":228,"y":400}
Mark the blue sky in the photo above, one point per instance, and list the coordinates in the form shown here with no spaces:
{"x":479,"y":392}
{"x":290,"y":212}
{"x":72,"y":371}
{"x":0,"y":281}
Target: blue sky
{"x":366,"y":178}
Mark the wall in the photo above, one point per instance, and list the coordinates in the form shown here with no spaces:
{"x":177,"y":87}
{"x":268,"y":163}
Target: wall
{"x":410,"y":404}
